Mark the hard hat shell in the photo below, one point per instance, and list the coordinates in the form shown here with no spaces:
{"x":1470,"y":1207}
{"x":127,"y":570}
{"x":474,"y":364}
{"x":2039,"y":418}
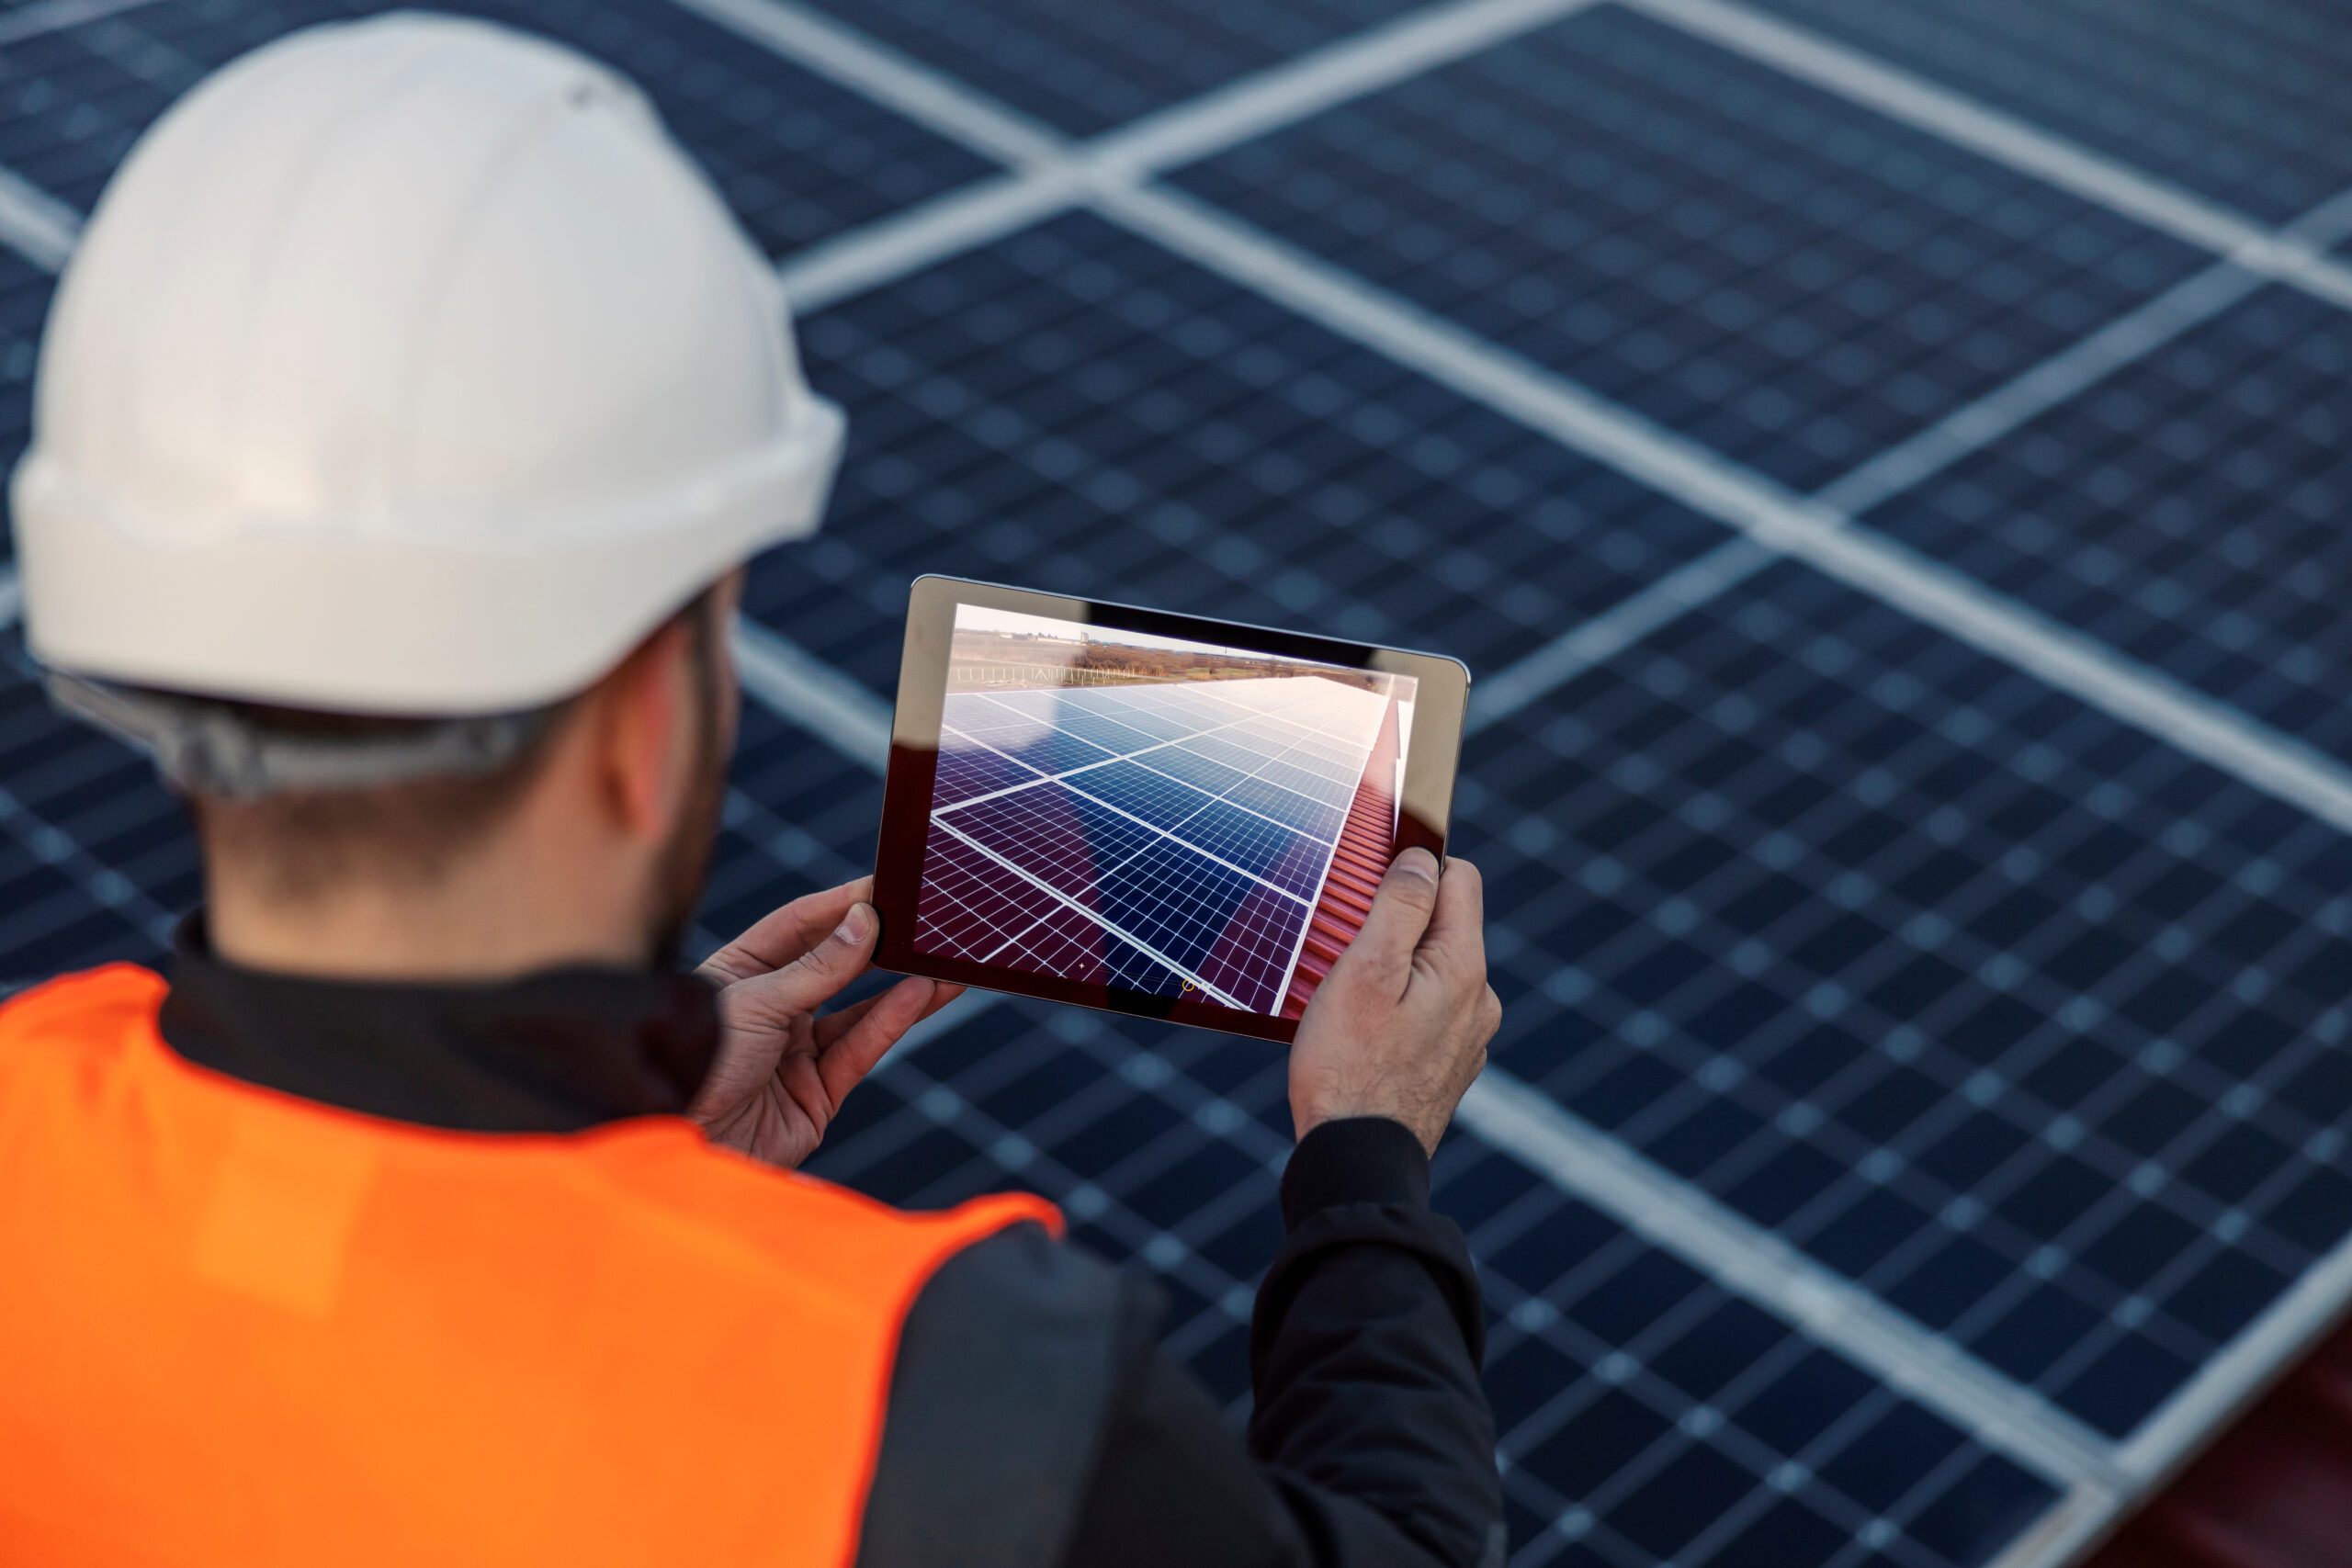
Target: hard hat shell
{"x":406,"y":366}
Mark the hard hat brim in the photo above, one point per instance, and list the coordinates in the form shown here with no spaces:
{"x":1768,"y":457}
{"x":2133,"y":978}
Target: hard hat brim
{"x":410,"y":619}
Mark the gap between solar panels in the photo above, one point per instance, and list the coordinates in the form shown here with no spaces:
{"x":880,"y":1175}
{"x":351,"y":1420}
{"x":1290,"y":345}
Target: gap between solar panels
{"x":2005,"y":138}
{"x":1051,"y":172}
{"x":53,"y":15}
{"x":35,"y":224}
{"x":1827,"y":540}
{"x":1966,"y":430}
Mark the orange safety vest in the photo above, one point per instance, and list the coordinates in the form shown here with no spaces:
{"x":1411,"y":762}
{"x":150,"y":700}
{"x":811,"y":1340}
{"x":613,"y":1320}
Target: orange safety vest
{"x":242,"y":1328}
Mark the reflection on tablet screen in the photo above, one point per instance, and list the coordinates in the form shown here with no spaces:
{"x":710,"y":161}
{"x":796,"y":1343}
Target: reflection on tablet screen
{"x":1154,"y":814}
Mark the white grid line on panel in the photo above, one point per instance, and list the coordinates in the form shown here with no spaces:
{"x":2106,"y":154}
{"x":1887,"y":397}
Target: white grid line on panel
{"x":1096,"y":917}
{"x":796,"y":685}
{"x":1132,"y":759}
{"x":1051,"y":180}
{"x":53,"y":15}
{"x":2005,"y":138}
{"x":2125,"y":340}
{"x":35,"y":224}
{"x":1510,"y":1115}
{"x":1164,"y":834}
{"x":928,"y":97}
{"x":1600,"y":637}
{"x":934,"y":230}
{"x":1295,"y":725}
{"x":1135,"y":756}
{"x":1284,"y":95}
{"x":2183,"y":1424}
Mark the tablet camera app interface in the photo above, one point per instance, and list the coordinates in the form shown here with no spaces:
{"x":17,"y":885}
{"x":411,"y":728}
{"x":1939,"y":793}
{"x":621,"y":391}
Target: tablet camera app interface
{"x":1162,"y":816}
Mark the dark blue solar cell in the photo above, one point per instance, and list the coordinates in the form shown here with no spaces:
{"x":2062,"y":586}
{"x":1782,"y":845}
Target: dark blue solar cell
{"x":1186,"y":763}
{"x":798,"y":156}
{"x":968,"y":771}
{"x":2188,"y":511}
{"x":1945,"y":1144}
{"x":1101,"y":730}
{"x":1088,"y":65}
{"x":1175,"y":899}
{"x":1050,"y":752}
{"x":1281,"y":853}
{"x":1770,"y":270}
{"x":2241,"y":100}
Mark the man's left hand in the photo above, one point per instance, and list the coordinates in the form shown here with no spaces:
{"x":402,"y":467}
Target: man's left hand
{"x":782,"y":1071}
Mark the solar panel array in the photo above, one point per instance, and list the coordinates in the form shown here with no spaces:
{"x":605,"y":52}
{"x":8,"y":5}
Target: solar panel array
{"x":1886,"y":462}
{"x":1164,"y":837}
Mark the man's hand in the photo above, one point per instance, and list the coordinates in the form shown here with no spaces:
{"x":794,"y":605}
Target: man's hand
{"x":1400,"y":1026}
{"x":782,"y":1071}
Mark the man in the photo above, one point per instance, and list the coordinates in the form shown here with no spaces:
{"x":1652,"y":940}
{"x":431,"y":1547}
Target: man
{"x":402,"y":426}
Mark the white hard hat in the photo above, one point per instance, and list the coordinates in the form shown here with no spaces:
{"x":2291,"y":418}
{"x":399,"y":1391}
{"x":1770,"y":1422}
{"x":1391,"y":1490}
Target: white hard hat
{"x":406,"y":366}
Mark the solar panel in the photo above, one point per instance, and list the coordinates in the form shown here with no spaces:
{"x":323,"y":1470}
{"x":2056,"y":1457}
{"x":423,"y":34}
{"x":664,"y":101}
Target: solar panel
{"x":799,"y":157}
{"x":1097,"y":860}
{"x":2240,"y":101}
{"x":1084,"y":66}
{"x":1758,"y":264}
{"x":1856,"y":948}
{"x":2188,"y":512}
{"x":1076,"y":405}
{"x":1982,"y":1000}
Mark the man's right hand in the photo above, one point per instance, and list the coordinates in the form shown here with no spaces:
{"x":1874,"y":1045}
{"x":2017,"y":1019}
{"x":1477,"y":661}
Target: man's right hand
{"x":1399,"y":1027}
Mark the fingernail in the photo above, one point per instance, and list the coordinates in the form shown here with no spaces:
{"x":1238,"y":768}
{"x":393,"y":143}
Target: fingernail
{"x":853,"y":927}
{"x":1417,"y":861}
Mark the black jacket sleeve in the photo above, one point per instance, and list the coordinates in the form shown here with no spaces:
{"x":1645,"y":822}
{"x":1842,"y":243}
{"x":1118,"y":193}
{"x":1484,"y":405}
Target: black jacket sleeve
{"x":1034,"y":1419}
{"x":1365,"y":1354}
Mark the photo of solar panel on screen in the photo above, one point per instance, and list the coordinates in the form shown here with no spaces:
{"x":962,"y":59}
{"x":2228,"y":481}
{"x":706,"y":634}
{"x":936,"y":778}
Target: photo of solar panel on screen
{"x":1154,"y":814}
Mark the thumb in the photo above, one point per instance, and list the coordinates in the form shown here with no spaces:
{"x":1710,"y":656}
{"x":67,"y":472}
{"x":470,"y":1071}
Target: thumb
{"x":808,"y":981}
{"x":1400,"y":913}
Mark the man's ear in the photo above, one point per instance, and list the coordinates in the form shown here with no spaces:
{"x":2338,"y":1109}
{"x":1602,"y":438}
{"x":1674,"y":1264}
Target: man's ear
{"x":642,"y":728}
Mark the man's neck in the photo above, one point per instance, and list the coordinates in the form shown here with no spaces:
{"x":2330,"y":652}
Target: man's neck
{"x":458,"y":932}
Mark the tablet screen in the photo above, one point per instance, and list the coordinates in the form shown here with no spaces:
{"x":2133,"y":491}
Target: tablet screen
{"x":1153,"y":814}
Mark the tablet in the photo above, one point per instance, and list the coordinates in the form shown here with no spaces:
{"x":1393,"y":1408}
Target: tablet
{"x":1145,"y":812}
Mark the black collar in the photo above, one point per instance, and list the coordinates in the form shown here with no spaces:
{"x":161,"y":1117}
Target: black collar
{"x":549,"y":1052}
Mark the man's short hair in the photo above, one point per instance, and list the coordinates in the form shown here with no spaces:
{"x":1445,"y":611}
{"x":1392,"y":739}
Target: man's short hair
{"x":298,"y":844}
